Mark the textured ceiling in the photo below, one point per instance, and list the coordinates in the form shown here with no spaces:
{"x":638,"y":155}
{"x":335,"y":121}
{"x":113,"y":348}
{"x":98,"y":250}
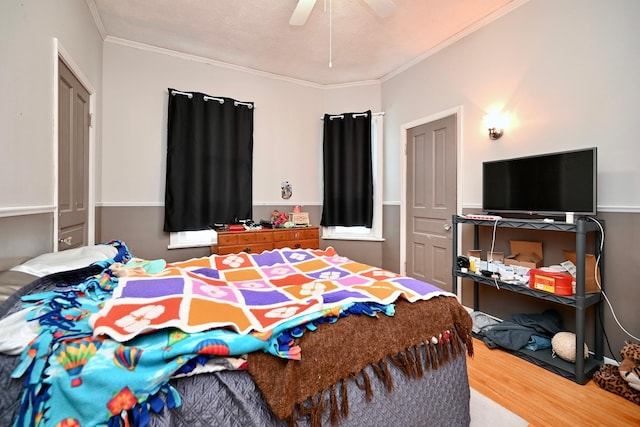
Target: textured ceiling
{"x":256,"y":33}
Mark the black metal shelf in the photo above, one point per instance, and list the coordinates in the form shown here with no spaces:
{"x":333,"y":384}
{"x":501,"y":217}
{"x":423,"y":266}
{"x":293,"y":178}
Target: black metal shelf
{"x":582,"y":370}
{"x":531,"y":224}
{"x":589,"y":299}
{"x":545,"y":359}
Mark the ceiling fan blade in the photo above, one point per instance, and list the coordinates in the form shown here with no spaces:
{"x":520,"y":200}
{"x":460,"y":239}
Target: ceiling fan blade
{"x":382,"y":8}
{"x":301,"y":12}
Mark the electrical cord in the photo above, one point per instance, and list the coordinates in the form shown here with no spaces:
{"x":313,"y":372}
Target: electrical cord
{"x":604,"y":295}
{"x":606,"y":337}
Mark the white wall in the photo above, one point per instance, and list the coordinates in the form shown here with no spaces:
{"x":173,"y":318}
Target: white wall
{"x":287,"y":125}
{"x":27,"y":30}
{"x":567,"y":70}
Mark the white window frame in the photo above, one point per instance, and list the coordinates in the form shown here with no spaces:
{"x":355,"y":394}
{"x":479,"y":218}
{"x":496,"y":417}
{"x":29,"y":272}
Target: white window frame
{"x":375,"y":232}
{"x":192,"y":239}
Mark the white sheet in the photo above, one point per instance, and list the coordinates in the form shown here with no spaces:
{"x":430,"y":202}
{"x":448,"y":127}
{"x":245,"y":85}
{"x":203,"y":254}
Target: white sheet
{"x":70,"y":259}
{"x":16,"y":333}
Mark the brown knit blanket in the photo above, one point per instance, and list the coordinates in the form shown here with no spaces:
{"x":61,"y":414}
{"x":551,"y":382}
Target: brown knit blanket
{"x":339,"y":351}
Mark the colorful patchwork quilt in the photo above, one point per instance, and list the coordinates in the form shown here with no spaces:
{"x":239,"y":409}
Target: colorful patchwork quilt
{"x":248,"y":292}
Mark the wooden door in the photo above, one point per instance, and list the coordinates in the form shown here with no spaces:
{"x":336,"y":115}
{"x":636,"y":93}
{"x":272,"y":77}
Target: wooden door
{"x":73,"y":160}
{"x":431,"y":200}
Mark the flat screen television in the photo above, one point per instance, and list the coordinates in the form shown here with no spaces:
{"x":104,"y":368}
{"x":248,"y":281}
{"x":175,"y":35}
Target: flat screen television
{"x":547,"y":184}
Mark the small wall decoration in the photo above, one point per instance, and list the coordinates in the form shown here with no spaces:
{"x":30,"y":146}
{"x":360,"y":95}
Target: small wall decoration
{"x":286,"y":189}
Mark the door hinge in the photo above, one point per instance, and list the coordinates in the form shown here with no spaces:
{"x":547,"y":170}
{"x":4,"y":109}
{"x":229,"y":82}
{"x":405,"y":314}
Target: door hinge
{"x":90,"y":120}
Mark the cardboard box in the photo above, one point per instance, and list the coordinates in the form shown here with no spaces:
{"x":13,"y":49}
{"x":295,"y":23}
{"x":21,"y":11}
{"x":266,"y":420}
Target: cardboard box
{"x":525,"y":254}
{"x":590,"y":285}
{"x":495,"y":256}
{"x":299,"y":218}
{"x":477,"y":253}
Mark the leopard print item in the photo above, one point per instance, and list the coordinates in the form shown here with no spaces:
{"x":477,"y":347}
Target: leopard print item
{"x":631,"y":351}
{"x":630,"y":366}
{"x":609,"y":377}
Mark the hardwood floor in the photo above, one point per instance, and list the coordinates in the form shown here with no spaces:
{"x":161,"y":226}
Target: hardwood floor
{"x":542,"y":397}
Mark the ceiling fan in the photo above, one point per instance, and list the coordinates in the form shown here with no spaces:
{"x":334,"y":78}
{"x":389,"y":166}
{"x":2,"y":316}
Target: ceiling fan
{"x":382,"y":8}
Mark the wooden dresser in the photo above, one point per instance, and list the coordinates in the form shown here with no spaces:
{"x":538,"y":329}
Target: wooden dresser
{"x":266,"y":239}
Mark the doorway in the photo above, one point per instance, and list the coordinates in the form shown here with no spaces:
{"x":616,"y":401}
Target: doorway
{"x":74,"y":120}
{"x":431,"y":199}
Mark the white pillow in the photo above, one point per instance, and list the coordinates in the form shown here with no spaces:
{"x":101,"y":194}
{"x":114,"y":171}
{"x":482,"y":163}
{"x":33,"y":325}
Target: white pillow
{"x":70,"y":259}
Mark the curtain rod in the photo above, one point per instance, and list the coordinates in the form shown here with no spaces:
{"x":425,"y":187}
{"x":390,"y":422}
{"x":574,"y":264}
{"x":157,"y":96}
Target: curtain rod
{"x":250,"y":105}
{"x":177,"y":92}
{"x":341,"y":116}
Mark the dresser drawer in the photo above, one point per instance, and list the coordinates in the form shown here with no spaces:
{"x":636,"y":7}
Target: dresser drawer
{"x":295,"y":234}
{"x":310,"y":233}
{"x":297,"y":244}
{"x":265,"y":240}
{"x":242,"y":237}
{"x":227,"y":239}
{"x":254,"y":248}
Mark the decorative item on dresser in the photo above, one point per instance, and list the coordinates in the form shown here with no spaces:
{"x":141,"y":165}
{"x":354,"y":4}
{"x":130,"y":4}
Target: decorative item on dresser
{"x":266,"y":239}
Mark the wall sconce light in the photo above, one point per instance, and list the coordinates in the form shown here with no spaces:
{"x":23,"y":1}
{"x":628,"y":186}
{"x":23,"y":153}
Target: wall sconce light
{"x":495,"y":122}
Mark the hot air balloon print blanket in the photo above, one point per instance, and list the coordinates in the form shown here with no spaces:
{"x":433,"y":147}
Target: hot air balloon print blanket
{"x":249,"y":292}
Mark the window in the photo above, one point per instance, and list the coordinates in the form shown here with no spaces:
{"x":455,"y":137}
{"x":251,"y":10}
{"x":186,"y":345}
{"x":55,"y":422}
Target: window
{"x":375,"y":232}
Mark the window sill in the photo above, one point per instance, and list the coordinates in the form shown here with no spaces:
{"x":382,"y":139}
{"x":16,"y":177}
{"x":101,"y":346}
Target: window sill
{"x":190,"y":245}
{"x":358,"y":238}
{"x":192,"y":239}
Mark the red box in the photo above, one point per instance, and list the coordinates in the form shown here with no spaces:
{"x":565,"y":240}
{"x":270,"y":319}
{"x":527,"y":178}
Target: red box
{"x":551,"y":281}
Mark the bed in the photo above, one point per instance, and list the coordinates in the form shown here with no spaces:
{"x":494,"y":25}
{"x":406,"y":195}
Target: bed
{"x":318,"y":340}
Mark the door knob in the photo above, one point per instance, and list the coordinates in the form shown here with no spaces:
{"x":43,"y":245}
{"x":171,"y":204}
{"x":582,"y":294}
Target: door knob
{"x":67,"y":240}
{"x":447,"y":227}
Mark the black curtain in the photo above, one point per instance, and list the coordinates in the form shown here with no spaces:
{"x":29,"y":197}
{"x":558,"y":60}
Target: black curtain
{"x":209,"y":161}
{"x":348,"y":170}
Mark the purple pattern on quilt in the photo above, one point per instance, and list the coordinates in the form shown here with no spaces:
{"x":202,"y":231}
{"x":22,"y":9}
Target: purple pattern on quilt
{"x":262,"y":297}
{"x":266,"y":259}
{"x":297,"y":255}
{"x":343,"y":294}
{"x":331,"y":273}
{"x":208,"y":272}
{"x":416,"y":285}
{"x":141,"y":288}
